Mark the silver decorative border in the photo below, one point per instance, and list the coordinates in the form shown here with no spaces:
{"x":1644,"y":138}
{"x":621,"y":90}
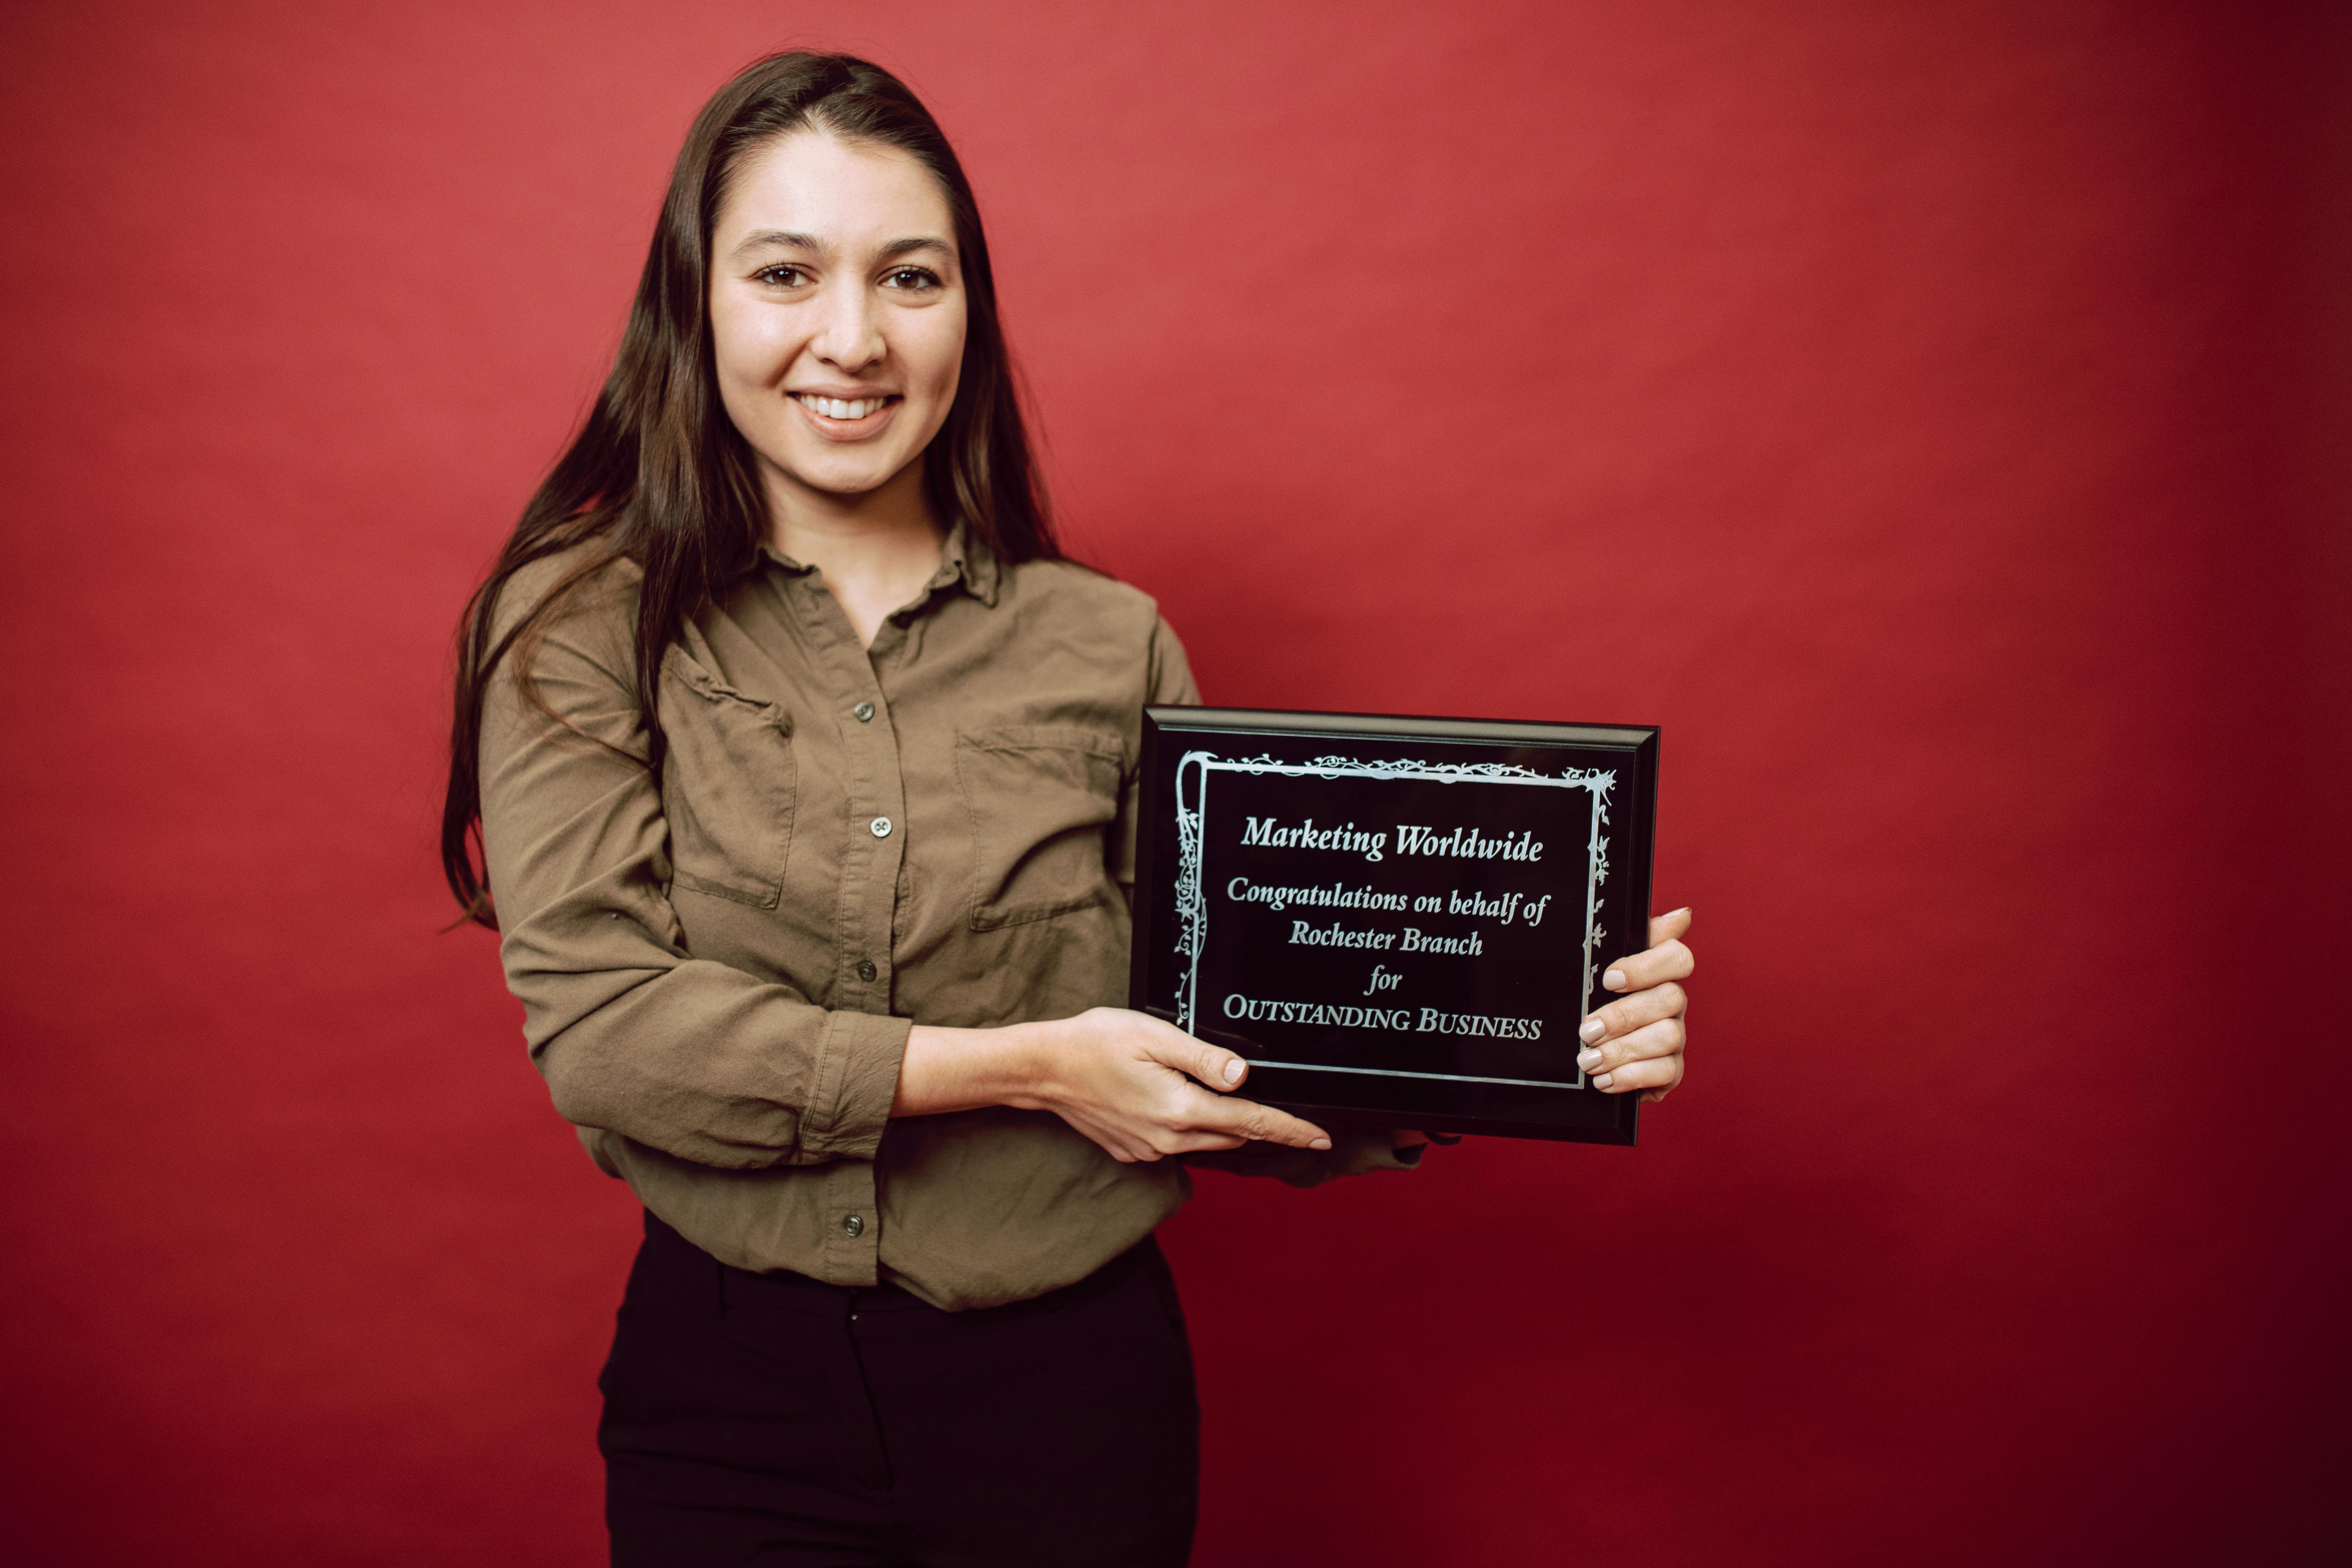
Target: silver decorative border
{"x":1191,"y":903}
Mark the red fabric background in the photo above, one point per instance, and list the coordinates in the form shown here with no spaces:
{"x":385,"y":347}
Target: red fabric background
{"x":1933,"y":414}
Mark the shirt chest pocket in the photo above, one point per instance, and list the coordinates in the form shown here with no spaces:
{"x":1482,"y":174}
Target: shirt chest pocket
{"x":1038,"y":797}
{"x":727,"y":785}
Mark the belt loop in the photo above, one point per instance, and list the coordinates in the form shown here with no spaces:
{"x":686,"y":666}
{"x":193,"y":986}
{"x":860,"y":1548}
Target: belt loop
{"x":718,"y":1288}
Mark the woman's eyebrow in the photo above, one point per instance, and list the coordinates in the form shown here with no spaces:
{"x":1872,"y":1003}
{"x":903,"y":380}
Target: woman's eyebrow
{"x":778,"y":236}
{"x":810,"y":242}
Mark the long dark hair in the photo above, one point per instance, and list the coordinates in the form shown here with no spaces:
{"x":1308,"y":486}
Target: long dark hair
{"x":659,"y":476}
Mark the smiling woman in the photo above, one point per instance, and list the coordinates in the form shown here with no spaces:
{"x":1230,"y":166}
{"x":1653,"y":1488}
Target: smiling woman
{"x":802,"y":770}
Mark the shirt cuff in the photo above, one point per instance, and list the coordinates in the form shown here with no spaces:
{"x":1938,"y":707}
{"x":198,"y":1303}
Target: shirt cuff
{"x":857,"y":1081}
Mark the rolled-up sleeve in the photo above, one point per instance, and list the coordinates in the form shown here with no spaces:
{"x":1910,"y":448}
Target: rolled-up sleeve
{"x":634,"y":1034}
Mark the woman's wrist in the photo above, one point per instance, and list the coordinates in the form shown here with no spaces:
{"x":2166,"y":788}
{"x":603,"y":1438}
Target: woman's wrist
{"x":1032,"y":1064}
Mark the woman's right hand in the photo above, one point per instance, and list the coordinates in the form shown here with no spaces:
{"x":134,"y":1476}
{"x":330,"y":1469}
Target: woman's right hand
{"x":1125,"y":1079}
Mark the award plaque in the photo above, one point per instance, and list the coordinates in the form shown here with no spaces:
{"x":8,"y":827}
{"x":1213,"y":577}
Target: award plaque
{"x":1400,"y":922}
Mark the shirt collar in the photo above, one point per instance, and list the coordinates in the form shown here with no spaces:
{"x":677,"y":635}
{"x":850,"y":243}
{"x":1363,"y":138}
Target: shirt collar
{"x":964,"y":557}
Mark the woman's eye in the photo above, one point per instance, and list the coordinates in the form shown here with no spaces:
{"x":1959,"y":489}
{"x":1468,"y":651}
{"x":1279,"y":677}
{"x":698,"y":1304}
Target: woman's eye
{"x":783,"y":276}
{"x":911,"y":278}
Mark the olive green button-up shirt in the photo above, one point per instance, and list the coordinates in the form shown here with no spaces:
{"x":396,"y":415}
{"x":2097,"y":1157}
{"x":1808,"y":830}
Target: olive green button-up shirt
{"x":719,"y":972}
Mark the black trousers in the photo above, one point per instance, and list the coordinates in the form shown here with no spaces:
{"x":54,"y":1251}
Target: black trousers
{"x":771,"y":1419}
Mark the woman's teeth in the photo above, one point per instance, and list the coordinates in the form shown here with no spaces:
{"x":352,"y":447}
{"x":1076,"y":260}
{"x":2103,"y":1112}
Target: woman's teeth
{"x":841,"y":408}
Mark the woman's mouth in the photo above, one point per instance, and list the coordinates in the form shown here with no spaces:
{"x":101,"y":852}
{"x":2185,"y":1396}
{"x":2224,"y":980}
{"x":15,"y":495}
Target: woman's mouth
{"x":838,"y":412}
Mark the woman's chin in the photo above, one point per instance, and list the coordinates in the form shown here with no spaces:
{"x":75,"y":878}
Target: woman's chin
{"x":846,"y":480}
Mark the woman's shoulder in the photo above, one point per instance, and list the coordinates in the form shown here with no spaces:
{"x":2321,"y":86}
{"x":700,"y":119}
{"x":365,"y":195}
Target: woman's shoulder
{"x":1112,"y":623}
{"x":576,"y":608}
{"x":583,"y":595}
{"x":1085,"y":595}
{"x":583,"y":580}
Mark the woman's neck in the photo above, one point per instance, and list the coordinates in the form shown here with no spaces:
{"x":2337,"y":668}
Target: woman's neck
{"x":875,"y":551}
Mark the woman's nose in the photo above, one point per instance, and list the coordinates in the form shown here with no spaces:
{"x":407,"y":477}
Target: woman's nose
{"x":851,"y":334}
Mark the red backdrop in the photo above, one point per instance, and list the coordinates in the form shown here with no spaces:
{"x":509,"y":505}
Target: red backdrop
{"x":1933,"y":414}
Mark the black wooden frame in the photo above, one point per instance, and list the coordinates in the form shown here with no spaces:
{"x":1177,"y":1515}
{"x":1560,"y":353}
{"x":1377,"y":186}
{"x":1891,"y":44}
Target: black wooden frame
{"x":1570,"y":1114}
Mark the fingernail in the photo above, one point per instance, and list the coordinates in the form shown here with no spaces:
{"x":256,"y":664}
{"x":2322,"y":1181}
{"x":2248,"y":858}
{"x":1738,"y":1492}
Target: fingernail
{"x":1320,"y":1143}
{"x":1586,"y":1060}
{"x":1233,"y":1070}
{"x":1614,"y":979}
{"x":1593,"y":1031}
{"x":1602,"y":1082}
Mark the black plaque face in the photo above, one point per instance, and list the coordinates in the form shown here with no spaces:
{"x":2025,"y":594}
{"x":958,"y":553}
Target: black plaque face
{"x":1397,"y":921}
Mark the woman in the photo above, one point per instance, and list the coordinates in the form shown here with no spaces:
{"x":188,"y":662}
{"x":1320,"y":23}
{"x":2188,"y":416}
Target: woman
{"x":802,"y":766}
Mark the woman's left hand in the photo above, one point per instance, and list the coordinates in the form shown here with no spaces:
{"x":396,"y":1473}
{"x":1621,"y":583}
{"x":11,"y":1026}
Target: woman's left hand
{"x":1636,"y":1042}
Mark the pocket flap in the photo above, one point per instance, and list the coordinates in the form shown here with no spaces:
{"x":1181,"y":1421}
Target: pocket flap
{"x":681,"y":666}
{"x":1044,"y":737}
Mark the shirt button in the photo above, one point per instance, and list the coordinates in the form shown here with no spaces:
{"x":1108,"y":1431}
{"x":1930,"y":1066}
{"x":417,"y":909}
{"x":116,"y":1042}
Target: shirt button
{"x":881,"y":825}
{"x":865,"y":970}
{"x":853,"y":1225}
{"x":865,"y":712}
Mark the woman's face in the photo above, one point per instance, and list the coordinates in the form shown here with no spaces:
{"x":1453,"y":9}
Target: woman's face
{"x":837,"y":310}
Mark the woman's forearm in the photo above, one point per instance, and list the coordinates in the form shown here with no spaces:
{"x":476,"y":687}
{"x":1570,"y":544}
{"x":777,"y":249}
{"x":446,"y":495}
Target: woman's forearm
{"x":963,"y":1070}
